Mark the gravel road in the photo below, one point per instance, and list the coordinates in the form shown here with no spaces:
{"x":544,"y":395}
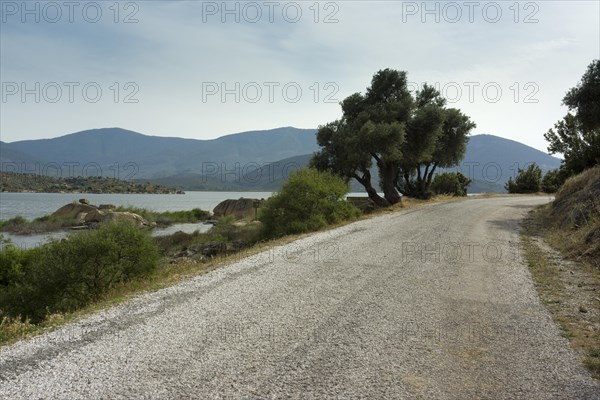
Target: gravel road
{"x":427,"y":303}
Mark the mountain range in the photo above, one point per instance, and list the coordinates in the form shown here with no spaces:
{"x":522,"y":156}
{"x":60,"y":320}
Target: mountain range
{"x":253,"y":161}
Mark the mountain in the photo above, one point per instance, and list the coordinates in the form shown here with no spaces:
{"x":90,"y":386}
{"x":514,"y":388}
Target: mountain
{"x":494,"y":159}
{"x":10,"y":155}
{"x":247,"y":161}
{"x":140,"y":156}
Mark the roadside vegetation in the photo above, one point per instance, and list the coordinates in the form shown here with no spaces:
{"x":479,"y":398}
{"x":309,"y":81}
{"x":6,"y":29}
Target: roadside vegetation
{"x":450,"y":183}
{"x":63,"y":276}
{"x":561,"y":240}
{"x":310,"y":200}
{"x":562,"y":246}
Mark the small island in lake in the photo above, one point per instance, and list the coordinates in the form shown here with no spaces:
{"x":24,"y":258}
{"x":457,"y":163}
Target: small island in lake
{"x":33,"y":183}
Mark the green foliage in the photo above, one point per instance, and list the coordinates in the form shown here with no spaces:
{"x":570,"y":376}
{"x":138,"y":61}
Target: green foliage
{"x":308,"y":201}
{"x":167,"y":217}
{"x":581,"y":149}
{"x":584,"y":98}
{"x":577,"y":136}
{"x":553,"y":180}
{"x":14,"y":222}
{"x":46,"y":223}
{"x":527,"y":181}
{"x":453,"y":183}
{"x":172,"y":217}
{"x":65,"y":275}
{"x":407,"y":137}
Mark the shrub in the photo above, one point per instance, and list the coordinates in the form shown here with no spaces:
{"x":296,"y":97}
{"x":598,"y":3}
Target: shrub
{"x":167,"y":217}
{"x":65,"y":275}
{"x":552,"y":181}
{"x":308,"y":201}
{"x":527,"y":181}
{"x":453,"y":183}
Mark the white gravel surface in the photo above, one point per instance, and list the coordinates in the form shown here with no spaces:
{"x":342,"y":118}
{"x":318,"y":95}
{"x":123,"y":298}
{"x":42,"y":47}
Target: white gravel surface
{"x":427,"y":303}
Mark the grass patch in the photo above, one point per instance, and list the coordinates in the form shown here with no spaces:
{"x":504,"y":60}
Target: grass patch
{"x":22,"y":226}
{"x":167,"y":218}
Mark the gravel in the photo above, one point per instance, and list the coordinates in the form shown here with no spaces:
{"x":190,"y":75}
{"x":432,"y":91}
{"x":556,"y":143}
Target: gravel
{"x":432,"y":303}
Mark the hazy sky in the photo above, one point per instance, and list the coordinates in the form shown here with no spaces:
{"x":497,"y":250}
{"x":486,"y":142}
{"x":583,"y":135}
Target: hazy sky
{"x":204,"y":69}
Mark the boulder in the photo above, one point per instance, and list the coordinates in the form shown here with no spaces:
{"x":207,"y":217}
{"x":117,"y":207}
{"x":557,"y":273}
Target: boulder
{"x":241,"y":208}
{"x":125,"y":216}
{"x":94,"y":216}
{"x":73,"y":209}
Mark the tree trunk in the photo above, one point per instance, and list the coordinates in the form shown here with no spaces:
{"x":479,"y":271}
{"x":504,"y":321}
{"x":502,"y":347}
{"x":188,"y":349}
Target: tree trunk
{"x":389,"y":173}
{"x":430,"y":175}
{"x":365,"y":180}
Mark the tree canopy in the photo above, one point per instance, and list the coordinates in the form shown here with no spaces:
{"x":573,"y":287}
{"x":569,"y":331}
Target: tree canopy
{"x":405,"y":136}
{"x":577,"y":135}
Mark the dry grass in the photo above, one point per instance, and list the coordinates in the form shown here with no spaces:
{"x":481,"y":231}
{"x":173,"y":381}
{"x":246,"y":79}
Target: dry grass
{"x":562,"y":252}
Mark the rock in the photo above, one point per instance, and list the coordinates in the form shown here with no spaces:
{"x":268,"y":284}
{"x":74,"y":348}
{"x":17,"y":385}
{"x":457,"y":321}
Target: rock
{"x":81,"y":217}
{"x":241,"y":208}
{"x":209,"y":249}
{"x":126,"y":216}
{"x":184,"y":253}
{"x":84,"y":201}
{"x":106,"y":206}
{"x":72,"y":210}
{"x":95,"y":216}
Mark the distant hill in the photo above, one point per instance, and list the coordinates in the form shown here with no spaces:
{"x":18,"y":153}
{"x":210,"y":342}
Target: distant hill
{"x":247,"y":161}
{"x":9,"y":154}
{"x":14,"y":182}
{"x":140,"y":156}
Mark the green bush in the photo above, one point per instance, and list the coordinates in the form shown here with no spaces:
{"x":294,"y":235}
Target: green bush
{"x":65,"y":275}
{"x":527,"y":181}
{"x":453,"y":183}
{"x":552,"y":181}
{"x":167,"y":217}
{"x":309,"y":200}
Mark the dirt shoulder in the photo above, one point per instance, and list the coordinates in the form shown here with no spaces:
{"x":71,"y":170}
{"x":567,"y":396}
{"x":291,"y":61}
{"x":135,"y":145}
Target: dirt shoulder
{"x":569,"y":286}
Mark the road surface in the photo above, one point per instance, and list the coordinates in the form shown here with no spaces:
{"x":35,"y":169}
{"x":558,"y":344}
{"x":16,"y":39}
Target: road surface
{"x":427,"y":303}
